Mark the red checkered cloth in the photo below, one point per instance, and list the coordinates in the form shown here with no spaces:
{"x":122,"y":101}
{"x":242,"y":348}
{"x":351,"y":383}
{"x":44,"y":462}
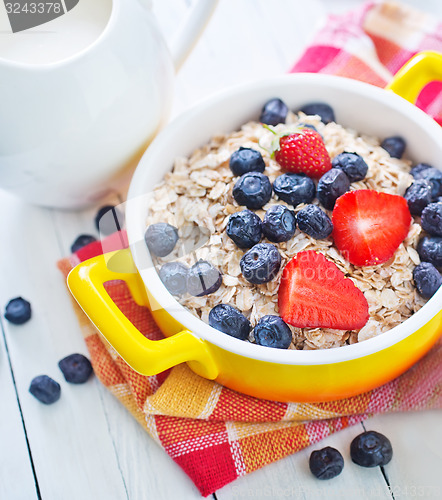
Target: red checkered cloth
{"x":216,"y":434}
{"x":372,"y":43}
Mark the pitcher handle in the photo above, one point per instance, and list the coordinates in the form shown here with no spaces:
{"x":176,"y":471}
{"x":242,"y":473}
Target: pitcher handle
{"x":190,"y":30}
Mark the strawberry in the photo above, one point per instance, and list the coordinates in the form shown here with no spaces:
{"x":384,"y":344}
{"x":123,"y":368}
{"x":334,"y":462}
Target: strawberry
{"x":302,"y":151}
{"x":369,"y":226}
{"x":314,"y":293}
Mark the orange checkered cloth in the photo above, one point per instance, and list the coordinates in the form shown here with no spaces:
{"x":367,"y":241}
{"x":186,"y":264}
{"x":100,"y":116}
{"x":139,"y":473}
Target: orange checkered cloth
{"x":215,"y":434}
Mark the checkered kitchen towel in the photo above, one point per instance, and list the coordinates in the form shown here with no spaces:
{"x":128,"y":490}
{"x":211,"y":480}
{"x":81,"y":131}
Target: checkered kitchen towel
{"x":372,"y":43}
{"x":216,"y":434}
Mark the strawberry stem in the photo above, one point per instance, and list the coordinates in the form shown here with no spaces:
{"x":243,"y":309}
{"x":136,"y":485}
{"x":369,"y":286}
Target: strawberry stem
{"x":269,"y":128}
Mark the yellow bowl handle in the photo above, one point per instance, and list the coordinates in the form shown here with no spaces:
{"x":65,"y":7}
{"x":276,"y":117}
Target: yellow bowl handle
{"x":421,"y":69}
{"x":86,"y":283}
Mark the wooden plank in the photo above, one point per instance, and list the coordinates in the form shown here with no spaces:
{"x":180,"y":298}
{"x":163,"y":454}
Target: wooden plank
{"x":87,"y":424}
{"x":291,"y":477}
{"x":233,"y":49}
{"x":416,"y":438}
{"x":16,"y":477}
{"x":73,"y":453}
{"x":146,"y":469}
{"x":149,"y":473}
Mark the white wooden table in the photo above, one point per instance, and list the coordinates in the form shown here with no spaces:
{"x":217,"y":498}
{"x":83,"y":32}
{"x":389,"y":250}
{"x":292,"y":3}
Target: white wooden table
{"x":87,"y":446}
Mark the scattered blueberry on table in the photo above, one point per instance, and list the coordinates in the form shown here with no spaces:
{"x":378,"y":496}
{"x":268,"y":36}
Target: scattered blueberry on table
{"x":279,"y":223}
{"x":273,"y":112}
{"x":109,"y":219}
{"x":246,"y":160}
{"x":203,"y":278}
{"x":76,"y":368}
{"x":229,"y":320}
{"x":313,"y":221}
{"x":322,"y":109}
{"x":352,"y":164}
{"x":371,"y":449}
{"x":244,"y":228}
{"x":174,"y":277}
{"x":272,"y":331}
{"x":427,"y":279}
{"x":261,"y":263}
{"x":253,"y":190}
{"x":294,"y":189}
{"x":161,"y":238}
{"x":326,"y":463}
{"x":45,"y":389}
{"x":394,"y":145}
{"x":331,"y":186}
{"x":18,"y":311}
{"x":81,"y":241}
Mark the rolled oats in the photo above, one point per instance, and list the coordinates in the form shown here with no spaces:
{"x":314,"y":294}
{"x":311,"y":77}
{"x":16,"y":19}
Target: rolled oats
{"x":199,"y":192}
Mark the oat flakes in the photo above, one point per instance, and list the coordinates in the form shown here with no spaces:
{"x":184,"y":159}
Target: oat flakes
{"x":198,"y":193}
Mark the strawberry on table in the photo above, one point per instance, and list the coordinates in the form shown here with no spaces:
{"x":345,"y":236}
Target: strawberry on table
{"x":301,"y":151}
{"x":369,"y":226}
{"x":314,"y":293}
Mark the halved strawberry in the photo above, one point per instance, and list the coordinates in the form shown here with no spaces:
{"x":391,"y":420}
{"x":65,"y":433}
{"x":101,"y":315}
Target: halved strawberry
{"x":314,"y":293}
{"x":303,"y":151}
{"x":369,"y":226}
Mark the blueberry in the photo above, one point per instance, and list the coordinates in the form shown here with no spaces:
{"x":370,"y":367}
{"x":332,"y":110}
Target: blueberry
{"x":246,"y":160}
{"x":394,"y":145}
{"x":228,"y":319}
{"x":252,"y":190}
{"x":76,"y":368}
{"x":161,"y":238}
{"x":418,"y":196}
{"x":45,"y":389}
{"x":352,"y":164}
{"x":326,"y":463}
{"x":244,"y":228}
{"x":174,"y":277}
{"x":18,"y":311}
{"x":82,"y":241}
{"x":279,"y":223}
{"x":274,"y":112}
{"x":314,"y":222}
{"x":322,"y":109}
{"x":331,"y":186}
{"x":203,"y":278}
{"x":109,"y":219}
{"x":371,"y":449}
{"x":434,"y":177}
{"x":417,"y":169}
{"x":272,"y":331}
{"x":429,"y":249}
{"x":294,"y":189}
{"x":431,"y":219}
{"x":427,"y":279}
{"x":261,"y":263}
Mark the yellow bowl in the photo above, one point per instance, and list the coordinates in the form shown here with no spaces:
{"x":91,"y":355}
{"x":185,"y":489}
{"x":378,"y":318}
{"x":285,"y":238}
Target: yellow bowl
{"x":291,"y":375}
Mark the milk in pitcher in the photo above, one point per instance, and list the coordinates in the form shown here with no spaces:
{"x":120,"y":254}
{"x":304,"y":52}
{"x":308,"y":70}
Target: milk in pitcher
{"x":63,"y":37}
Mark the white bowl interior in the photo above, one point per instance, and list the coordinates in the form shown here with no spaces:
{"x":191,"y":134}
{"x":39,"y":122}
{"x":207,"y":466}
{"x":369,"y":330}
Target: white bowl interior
{"x":357,"y":105}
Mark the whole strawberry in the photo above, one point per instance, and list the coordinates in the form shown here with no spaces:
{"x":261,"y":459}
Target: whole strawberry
{"x":303,"y":151}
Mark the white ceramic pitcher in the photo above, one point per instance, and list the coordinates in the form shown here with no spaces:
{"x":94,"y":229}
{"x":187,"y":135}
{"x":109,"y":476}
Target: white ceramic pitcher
{"x":72,"y":129}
